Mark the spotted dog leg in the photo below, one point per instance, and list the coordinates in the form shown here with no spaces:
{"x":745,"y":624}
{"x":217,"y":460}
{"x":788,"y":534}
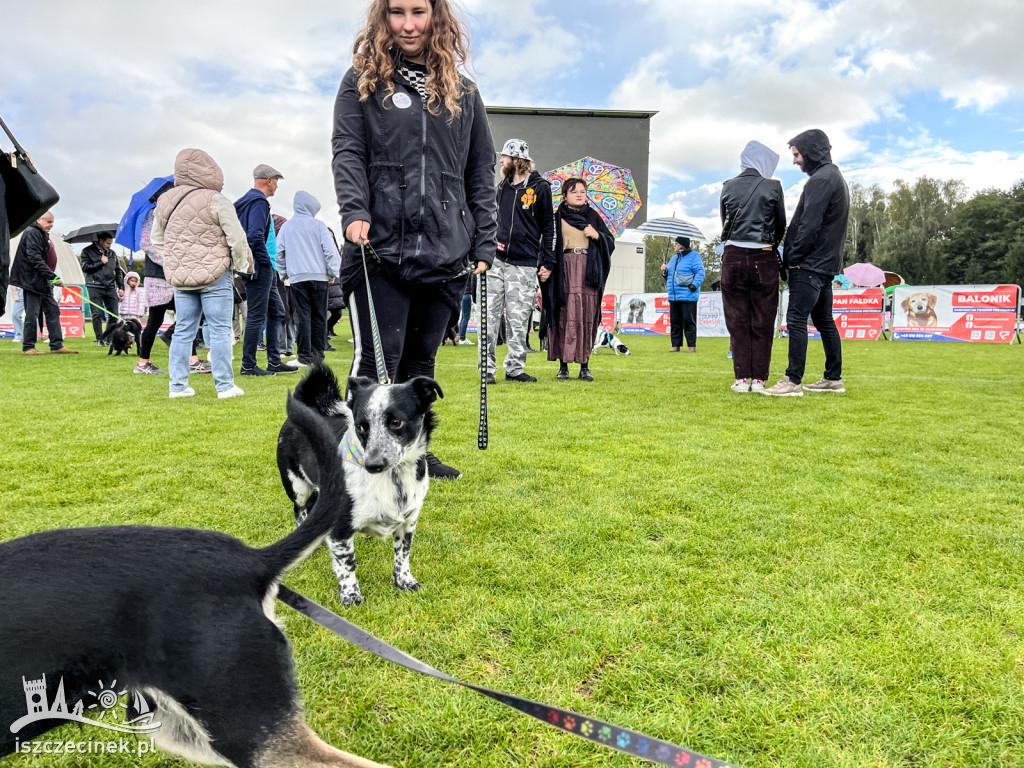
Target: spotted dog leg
{"x":403,"y":544}
{"x":343,"y":561}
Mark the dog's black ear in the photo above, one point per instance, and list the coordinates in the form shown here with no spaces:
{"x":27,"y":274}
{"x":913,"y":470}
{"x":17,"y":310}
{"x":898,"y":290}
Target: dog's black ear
{"x":357,"y":384}
{"x":426,"y":390}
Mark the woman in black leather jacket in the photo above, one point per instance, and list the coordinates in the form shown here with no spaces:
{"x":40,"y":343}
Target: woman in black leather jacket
{"x":753,"y":221}
{"x":414,"y":174}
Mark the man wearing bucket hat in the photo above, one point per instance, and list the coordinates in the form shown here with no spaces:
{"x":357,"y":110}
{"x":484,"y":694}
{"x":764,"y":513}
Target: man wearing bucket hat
{"x":526,"y":229}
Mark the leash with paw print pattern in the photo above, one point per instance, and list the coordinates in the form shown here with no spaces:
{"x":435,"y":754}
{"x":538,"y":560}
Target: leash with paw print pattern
{"x":606,"y":734}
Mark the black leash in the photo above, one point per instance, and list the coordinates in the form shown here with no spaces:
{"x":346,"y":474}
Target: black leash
{"x":597,"y":731}
{"x":378,"y":348}
{"x":481,"y":436}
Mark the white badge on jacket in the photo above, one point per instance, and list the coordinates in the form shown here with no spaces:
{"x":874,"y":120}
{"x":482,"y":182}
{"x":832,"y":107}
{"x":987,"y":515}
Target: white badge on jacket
{"x":402,"y":100}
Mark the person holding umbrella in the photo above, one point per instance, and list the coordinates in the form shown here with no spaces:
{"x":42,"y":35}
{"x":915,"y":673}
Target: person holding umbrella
{"x":414,"y":173}
{"x":103,"y":280}
{"x":683,"y":275}
{"x":575,"y":275}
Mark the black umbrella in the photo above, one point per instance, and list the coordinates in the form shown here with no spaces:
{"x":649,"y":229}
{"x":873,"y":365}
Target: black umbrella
{"x":89,"y":234}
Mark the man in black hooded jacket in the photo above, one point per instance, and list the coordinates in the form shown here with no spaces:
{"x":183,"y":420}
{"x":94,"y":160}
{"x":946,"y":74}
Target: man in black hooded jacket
{"x":813,"y":254}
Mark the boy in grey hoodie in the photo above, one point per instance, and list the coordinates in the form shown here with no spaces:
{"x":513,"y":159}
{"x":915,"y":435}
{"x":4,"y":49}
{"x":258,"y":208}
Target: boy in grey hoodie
{"x":308,"y":258}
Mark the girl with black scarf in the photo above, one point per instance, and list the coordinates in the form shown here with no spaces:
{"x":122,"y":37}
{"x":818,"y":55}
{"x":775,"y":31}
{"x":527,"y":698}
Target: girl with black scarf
{"x":574,"y":278}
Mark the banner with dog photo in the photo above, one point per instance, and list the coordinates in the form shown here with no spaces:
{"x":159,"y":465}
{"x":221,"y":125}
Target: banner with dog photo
{"x":984,"y":313}
{"x":858,"y":314}
{"x":647,"y":313}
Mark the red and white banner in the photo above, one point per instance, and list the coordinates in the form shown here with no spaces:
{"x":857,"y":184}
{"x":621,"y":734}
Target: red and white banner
{"x":608,"y":312}
{"x":857,"y":313}
{"x":648,"y":313}
{"x":984,"y":313}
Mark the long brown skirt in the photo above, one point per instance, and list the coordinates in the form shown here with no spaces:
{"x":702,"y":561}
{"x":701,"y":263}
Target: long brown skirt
{"x":571,"y":340}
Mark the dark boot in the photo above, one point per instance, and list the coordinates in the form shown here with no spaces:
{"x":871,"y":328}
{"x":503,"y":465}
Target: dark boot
{"x":563,"y":372}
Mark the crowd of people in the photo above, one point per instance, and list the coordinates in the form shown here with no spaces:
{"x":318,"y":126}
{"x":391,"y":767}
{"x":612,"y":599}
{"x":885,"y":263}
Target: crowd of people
{"x":413,"y":166}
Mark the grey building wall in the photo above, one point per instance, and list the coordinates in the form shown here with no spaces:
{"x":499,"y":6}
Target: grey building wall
{"x":557,"y":137}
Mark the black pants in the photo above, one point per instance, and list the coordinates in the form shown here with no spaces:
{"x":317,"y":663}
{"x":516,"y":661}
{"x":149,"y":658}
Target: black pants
{"x":156,"y":319}
{"x":411,"y":324}
{"x":810,"y":293}
{"x":682,"y":316}
{"x":309,"y":310}
{"x":265,"y":306}
{"x":332,"y":320}
{"x":750,"y":294}
{"x":106,"y":298}
{"x":44,"y":304}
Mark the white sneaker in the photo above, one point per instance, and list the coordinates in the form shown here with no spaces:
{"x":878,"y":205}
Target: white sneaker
{"x":292,"y":364}
{"x":756,"y":385}
{"x":467,"y":341}
{"x":186,"y":392}
{"x":740,"y":385}
{"x":235,"y":391}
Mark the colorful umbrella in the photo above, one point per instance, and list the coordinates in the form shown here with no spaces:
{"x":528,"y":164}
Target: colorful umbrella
{"x":610,"y":190}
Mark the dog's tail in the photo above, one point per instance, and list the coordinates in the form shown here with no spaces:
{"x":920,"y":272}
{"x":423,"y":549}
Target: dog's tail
{"x":332,"y":500}
{"x":319,"y":389}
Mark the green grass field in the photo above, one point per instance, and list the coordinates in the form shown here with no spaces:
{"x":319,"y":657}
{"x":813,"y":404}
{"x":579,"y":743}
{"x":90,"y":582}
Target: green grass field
{"x":833,"y":580}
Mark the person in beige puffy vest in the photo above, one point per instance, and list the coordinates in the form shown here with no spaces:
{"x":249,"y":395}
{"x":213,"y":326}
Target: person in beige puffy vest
{"x":196,"y":230}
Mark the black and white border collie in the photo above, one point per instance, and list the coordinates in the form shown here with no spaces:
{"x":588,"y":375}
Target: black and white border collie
{"x":605,"y":338}
{"x":382,"y":434}
{"x":185,"y":618}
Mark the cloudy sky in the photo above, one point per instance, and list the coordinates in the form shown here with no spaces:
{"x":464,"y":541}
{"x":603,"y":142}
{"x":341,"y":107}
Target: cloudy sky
{"x":103,"y":94}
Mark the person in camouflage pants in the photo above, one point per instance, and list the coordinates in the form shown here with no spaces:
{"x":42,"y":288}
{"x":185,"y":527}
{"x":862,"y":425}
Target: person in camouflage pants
{"x":526,"y":228}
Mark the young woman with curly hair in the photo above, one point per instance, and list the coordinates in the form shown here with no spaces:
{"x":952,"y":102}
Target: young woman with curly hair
{"x":414,"y":174}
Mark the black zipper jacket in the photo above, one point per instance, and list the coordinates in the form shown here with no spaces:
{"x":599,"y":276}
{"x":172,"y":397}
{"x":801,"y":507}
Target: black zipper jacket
{"x":426,"y":185}
{"x":817,"y":231}
{"x":98,"y":274}
{"x":526,"y":221}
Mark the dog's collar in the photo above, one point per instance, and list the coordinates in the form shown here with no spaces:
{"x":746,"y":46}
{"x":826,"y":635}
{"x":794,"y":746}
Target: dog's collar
{"x":350,"y":449}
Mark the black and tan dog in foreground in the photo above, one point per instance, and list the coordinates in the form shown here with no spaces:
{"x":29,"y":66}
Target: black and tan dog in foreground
{"x":185,"y":617}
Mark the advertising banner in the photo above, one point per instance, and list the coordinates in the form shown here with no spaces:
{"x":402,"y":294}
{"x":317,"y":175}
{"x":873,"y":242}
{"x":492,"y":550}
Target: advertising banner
{"x":984,"y":313}
{"x":608,"y":312}
{"x":711,"y":315}
{"x":647,"y":313}
{"x":858,"y":314}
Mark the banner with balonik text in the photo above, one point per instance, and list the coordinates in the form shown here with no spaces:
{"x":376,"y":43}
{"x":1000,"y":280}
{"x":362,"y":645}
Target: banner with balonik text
{"x":983,"y":313}
{"x":857,"y":313}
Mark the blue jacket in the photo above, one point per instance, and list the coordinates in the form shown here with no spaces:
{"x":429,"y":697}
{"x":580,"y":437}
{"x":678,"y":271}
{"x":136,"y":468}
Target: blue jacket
{"x":305,"y":248}
{"x":253,"y":210}
{"x":689,"y":268}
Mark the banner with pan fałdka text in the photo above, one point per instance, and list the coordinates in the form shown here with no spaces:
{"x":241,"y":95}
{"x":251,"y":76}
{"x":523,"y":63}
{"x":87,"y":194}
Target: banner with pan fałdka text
{"x":857,"y":313}
{"x":981,"y":313}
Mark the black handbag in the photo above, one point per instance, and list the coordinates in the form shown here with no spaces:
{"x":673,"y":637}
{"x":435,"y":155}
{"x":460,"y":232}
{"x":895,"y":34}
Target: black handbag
{"x":29,"y":195}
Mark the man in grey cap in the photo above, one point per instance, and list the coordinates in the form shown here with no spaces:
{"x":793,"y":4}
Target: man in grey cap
{"x":264,"y":301}
{"x":526,"y":228}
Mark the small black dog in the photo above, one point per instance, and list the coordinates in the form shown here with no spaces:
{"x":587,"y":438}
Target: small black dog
{"x":182,"y":617}
{"x":381,"y":434}
{"x":121,"y":335}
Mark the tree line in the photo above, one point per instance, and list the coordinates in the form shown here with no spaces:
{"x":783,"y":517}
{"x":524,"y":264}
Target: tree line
{"x":930,"y":232}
